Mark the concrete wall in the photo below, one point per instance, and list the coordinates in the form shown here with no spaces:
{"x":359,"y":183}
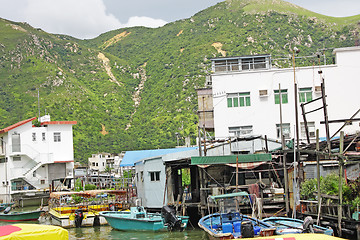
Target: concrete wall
{"x":341,"y":85}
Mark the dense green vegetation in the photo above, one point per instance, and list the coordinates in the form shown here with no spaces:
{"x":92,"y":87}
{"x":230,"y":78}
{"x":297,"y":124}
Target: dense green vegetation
{"x":330,"y":185}
{"x":159,"y":69}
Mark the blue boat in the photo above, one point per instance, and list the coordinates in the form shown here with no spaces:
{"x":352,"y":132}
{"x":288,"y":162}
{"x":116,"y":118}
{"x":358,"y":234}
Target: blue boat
{"x":286,"y":225}
{"x":229,"y":223}
{"x":138,"y":219}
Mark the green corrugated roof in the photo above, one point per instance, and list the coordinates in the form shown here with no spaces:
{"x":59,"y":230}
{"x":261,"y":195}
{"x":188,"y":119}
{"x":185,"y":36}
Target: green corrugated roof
{"x":229,"y":195}
{"x":242,"y":158}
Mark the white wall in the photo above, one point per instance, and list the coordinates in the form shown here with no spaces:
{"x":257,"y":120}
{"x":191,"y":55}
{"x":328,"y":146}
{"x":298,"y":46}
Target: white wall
{"x":342,"y":87}
{"x":151,"y":192}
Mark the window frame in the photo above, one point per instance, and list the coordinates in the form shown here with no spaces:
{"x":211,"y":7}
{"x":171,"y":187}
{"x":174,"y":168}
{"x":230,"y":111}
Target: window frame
{"x":57,"y":136}
{"x":286,"y":126}
{"x":33,"y":136}
{"x":154,"y":176}
{"x":238,"y":131}
{"x":241,"y":99}
{"x":284,"y":96}
{"x":305,"y":95}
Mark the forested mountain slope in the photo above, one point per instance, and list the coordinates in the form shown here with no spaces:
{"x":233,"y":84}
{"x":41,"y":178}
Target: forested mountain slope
{"x":134,"y":88}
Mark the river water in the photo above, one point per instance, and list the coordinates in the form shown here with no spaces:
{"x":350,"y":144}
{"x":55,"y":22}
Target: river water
{"x":108,"y":233}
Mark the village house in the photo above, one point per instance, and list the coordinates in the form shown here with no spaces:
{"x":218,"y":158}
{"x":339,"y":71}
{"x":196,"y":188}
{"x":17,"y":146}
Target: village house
{"x":104,"y":161}
{"x":245,"y":93}
{"x":31,"y":157}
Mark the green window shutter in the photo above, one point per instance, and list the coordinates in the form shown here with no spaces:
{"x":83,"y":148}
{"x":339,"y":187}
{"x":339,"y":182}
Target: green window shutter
{"x":301,"y":97}
{"x":236,"y":102}
{"x":277,"y":98}
{"x":229,"y":102}
{"x":247,"y":101}
{"x":308,"y":96}
{"x":284,"y":98}
{"x":242,"y":103}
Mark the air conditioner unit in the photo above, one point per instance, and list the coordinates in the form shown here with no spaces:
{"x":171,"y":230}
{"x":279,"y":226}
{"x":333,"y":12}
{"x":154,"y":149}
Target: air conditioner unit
{"x":318,"y":89}
{"x":263,"y":93}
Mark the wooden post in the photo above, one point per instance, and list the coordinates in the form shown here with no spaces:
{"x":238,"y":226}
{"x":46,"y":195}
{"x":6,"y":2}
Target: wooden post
{"x":341,"y":163}
{"x":318,"y":175}
{"x":237,"y":172}
{"x":325,"y":115}
{"x":286,"y":181}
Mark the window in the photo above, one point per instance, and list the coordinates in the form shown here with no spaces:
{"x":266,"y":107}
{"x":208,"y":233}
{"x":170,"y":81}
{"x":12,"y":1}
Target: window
{"x":142,"y":176}
{"x":238,"y":99}
{"x":57,"y":137}
{"x":285,"y":130}
{"x":42,"y":181}
{"x":16,"y":158}
{"x":154,"y":176}
{"x":305,"y":95}
{"x":33,"y":137}
{"x":284,"y":96}
{"x":240,"y":131}
{"x":3,"y":160}
{"x":43,"y":136}
{"x":311,"y":129}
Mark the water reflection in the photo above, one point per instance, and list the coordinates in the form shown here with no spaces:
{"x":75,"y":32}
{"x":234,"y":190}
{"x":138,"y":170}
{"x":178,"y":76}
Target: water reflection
{"x":106,"y":232}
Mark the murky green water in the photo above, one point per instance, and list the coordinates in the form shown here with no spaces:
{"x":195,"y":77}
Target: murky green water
{"x":108,"y":233}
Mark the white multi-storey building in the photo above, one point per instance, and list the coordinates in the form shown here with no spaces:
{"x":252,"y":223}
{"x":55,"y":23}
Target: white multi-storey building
{"x":32,"y":156}
{"x":246,"y":98}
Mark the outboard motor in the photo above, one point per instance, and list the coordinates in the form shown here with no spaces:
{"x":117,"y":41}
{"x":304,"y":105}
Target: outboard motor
{"x":247,"y":229}
{"x":170,"y":219}
{"x":96,"y":221}
{"x":79,"y":216}
{"x":308,"y":225}
{"x":7,"y":210}
{"x":112,"y":207}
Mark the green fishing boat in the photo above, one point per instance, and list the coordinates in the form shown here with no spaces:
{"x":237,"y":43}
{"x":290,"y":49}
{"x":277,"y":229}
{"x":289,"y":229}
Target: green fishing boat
{"x":20,"y":216}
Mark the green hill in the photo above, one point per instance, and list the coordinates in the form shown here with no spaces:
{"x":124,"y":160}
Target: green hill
{"x":134,"y":88}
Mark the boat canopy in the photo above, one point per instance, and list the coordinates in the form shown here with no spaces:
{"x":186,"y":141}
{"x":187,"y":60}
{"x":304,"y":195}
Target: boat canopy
{"x":94,"y":193}
{"x":33,"y":232}
{"x":87,"y":194}
{"x":229,"y":195}
{"x":58,"y":195}
{"x":231,"y":159}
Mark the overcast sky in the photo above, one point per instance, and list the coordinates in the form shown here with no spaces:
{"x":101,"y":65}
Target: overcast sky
{"x":89,"y":18}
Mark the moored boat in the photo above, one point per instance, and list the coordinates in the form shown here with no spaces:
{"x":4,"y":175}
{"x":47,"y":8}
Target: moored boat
{"x":285,"y":225}
{"x":229,"y":223}
{"x":137,"y":219}
{"x":65,"y":213}
{"x":20,"y":216}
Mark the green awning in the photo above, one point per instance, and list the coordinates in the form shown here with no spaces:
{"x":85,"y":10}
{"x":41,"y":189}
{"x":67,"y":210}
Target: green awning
{"x":231,"y":159}
{"x":229,"y":195}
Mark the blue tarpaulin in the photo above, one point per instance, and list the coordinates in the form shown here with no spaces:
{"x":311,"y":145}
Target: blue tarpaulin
{"x":131,"y":157}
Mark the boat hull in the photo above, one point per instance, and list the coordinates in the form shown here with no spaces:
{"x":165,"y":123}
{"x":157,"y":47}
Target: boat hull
{"x":286,"y":225}
{"x":20,"y":216}
{"x":152,"y":222}
{"x":214,"y":226}
{"x":66,"y":219}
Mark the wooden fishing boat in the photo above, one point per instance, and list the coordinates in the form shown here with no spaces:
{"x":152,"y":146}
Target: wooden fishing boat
{"x":137,"y":219}
{"x":33,"y":232}
{"x":20,"y":216}
{"x":286,"y":225}
{"x":66,"y":214}
{"x":229,"y":223}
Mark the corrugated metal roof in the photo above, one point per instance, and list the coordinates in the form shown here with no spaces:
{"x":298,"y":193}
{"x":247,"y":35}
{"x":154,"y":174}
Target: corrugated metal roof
{"x":131,"y":157}
{"x":242,"y":158}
